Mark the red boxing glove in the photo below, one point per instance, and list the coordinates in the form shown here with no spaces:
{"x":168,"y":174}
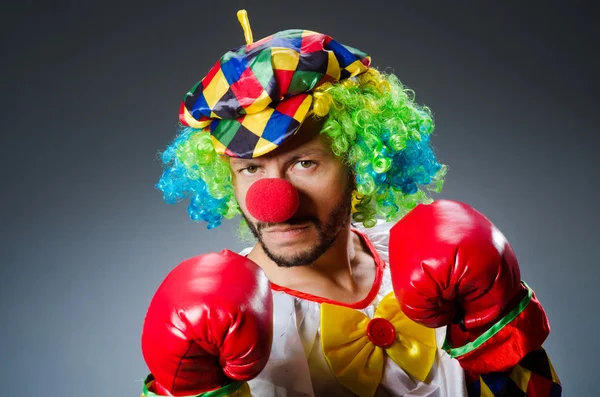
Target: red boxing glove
{"x":211,"y":320}
{"x":449,"y":263}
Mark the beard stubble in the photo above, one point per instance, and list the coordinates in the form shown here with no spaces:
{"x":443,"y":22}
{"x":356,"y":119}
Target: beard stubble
{"x":327,"y":233}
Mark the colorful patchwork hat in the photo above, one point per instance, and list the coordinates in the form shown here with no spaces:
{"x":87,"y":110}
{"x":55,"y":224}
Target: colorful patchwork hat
{"x":257,"y":95}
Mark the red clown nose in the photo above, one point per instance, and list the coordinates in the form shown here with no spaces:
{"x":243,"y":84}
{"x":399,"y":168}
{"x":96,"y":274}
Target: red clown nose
{"x":272,"y":200}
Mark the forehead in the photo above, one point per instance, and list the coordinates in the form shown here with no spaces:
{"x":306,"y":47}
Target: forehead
{"x":307,"y":141}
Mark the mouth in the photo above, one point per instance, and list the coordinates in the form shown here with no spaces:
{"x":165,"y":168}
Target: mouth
{"x":287,"y":232}
{"x":285,"y":229}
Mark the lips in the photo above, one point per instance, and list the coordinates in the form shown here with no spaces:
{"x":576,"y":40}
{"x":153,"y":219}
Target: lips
{"x":295,"y":223}
{"x":284,"y":229}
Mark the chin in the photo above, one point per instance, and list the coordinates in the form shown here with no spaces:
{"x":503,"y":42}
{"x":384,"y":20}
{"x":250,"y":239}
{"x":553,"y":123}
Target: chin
{"x":294,"y":257}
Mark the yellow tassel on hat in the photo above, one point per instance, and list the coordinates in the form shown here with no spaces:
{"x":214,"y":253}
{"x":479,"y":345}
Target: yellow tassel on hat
{"x":243,"y":18}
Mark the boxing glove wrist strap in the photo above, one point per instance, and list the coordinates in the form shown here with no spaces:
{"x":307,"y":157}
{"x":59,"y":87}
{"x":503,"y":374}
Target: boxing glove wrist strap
{"x":469,"y":347}
{"x":235,"y":388}
{"x":501,"y":347}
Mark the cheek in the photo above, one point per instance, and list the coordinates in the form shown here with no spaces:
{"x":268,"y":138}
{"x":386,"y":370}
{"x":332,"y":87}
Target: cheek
{"x":240,"y":192}
{"x":326,"y":193}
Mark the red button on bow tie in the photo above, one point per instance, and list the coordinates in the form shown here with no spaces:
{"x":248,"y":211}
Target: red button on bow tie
{"x":381,"y":332}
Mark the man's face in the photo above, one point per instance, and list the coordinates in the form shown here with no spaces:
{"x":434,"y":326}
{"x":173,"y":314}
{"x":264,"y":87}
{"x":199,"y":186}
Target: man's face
{"x":324,"y":185}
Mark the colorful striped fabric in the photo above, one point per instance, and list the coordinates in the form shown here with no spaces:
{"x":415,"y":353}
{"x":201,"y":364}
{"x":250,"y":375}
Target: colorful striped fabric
{"x":534,"y":376}
{"x":257,"y":96}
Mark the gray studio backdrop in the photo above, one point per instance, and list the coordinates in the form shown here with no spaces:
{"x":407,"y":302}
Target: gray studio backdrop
{"x":90,"y":93}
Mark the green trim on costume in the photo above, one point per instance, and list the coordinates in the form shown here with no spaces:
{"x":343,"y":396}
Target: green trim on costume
{"x":223,"y":391}
{"x":487,"y":335}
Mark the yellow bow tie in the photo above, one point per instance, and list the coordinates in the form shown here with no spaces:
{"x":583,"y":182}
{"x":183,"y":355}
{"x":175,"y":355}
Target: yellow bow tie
{"x":354,"y":345}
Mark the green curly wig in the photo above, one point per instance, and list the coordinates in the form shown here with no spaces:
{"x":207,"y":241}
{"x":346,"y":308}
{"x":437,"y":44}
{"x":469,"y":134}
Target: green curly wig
{"x":375,"y":127}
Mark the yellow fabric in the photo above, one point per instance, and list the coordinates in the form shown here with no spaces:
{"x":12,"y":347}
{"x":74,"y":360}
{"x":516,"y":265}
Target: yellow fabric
{"x":485,"y":391}
{"x":192,"y":122}
{"x":259,"y":108}
{"x":356,"y":362}
{"x":520,"y":377}
{"x":265,"y":146}
{"x":217,"y":87}
{"x":242,"y":16}
{"x":257,"y":122}
{"x":333,"y":66}
{"x":303,"y":109}
{"x":356,"y":67}
{"x":285,"y":58}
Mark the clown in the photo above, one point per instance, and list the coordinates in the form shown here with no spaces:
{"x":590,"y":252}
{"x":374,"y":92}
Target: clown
{"x":320,"y":154}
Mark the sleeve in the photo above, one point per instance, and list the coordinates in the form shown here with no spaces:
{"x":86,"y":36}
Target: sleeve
{"x":533,"y":376}
{"x":507,"y":359}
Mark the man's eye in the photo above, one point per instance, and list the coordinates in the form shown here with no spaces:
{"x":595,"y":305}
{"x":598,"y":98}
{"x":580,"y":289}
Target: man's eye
{"x":251,"y":170}
{"x":306,"y":163}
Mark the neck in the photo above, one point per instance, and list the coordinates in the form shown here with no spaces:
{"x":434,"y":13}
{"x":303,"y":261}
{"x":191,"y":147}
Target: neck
{"x":335,"y":265}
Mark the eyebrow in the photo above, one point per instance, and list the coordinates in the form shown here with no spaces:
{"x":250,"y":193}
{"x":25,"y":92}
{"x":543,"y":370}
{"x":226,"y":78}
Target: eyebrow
{"x":307,"y":152}
{"x":292,"y":157}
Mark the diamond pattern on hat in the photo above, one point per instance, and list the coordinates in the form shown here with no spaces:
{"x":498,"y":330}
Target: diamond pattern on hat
{"x":224,"y":130}
{"x":314,"y":62}
{"x":262,"y":147}
{"x":197,"y":106}
{"x":303,"y":81}
{"x":260,"y":103}
{"x":302,"y":110}
{"x":262,"y":68}
{"x":217,"y":87}
{"x":243,"y":142}
{"x":344,"y":56}
{"x":285,"y":58}
{"x":234,"y":67}
{"x":290,"y":33}
{"x":313,"y":43}
{"x":228,"y":107}
{"x":277,"y":123}
{"x":293,"y":43}
{"x":248,"y":89}
{"x":285,"y":78}
{"x":292,"y":105}
{"x":354,"y":68}
{"x":333,"y":66}
{"x":210,"y":75}
{"x":259,"y":45}
{"x":257,"y":122}
{"x":279,"y":71}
